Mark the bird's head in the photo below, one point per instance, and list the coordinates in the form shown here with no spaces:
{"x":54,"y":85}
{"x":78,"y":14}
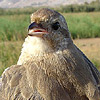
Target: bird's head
{"x":47,"y":33}
{"x":51,"y":27}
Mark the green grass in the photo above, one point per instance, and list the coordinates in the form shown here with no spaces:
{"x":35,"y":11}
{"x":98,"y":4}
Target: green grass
{"x":84,"y":25}
{"x":81,"y":25}
{"x":9,"y":54}
{"x":96,"y":63}
{"x":14,"y":28}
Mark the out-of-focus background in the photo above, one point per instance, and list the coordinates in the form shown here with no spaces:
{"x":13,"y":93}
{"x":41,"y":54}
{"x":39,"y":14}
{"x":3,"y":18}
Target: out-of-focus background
{"x":82,"y":16}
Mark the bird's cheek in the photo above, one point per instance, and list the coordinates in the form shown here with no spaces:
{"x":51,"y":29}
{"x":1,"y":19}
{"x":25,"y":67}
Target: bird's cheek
{"x":46,"y":35}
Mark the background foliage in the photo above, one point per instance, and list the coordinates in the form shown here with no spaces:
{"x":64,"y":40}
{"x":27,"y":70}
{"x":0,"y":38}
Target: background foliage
{"x":83,"y":22}
{"x":81,"y":25}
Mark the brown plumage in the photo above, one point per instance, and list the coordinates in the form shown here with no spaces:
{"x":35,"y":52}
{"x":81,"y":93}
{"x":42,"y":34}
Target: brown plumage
{"x":50,"y":66}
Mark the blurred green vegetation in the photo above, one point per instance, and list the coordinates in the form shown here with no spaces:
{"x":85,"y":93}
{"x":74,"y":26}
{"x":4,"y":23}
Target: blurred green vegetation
{"x":17,"y":11}
{"x":13,"y":27}
{"x":96,"y":63}
{"x":9,"y":54}
{"x":94,"y":6}
{"x":14,"y":24}
{"x":81,"y":25}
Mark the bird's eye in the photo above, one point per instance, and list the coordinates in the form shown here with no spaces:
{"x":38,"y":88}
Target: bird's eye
{"x":55,"y":26}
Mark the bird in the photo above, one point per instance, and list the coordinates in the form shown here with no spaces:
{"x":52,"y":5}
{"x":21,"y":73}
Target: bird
{"x":51,"y":66}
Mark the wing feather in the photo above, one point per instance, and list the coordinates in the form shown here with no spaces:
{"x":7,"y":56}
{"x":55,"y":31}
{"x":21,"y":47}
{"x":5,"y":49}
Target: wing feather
{"x":94,"y":70}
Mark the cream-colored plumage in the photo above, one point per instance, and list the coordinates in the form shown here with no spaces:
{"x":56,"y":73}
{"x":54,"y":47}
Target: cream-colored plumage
{"x":33,"y":46}
{"x":50,"y":66}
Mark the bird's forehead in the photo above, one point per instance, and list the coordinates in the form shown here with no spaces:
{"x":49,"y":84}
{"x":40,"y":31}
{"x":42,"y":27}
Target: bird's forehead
{"x":44,"y":14}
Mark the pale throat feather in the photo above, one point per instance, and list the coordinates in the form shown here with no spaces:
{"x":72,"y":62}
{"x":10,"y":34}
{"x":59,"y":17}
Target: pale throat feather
{"x":32,"y":47}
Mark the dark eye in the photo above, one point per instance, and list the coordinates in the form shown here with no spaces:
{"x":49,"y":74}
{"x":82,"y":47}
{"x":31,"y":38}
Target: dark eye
{"x":55,"y":25}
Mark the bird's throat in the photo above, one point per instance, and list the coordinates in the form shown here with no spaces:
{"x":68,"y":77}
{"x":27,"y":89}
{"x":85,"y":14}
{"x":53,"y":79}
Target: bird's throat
{"x":33,"y":47}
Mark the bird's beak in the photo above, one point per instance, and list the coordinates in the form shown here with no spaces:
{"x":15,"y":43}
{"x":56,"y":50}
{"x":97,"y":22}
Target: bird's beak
{"x":35,"y":29}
